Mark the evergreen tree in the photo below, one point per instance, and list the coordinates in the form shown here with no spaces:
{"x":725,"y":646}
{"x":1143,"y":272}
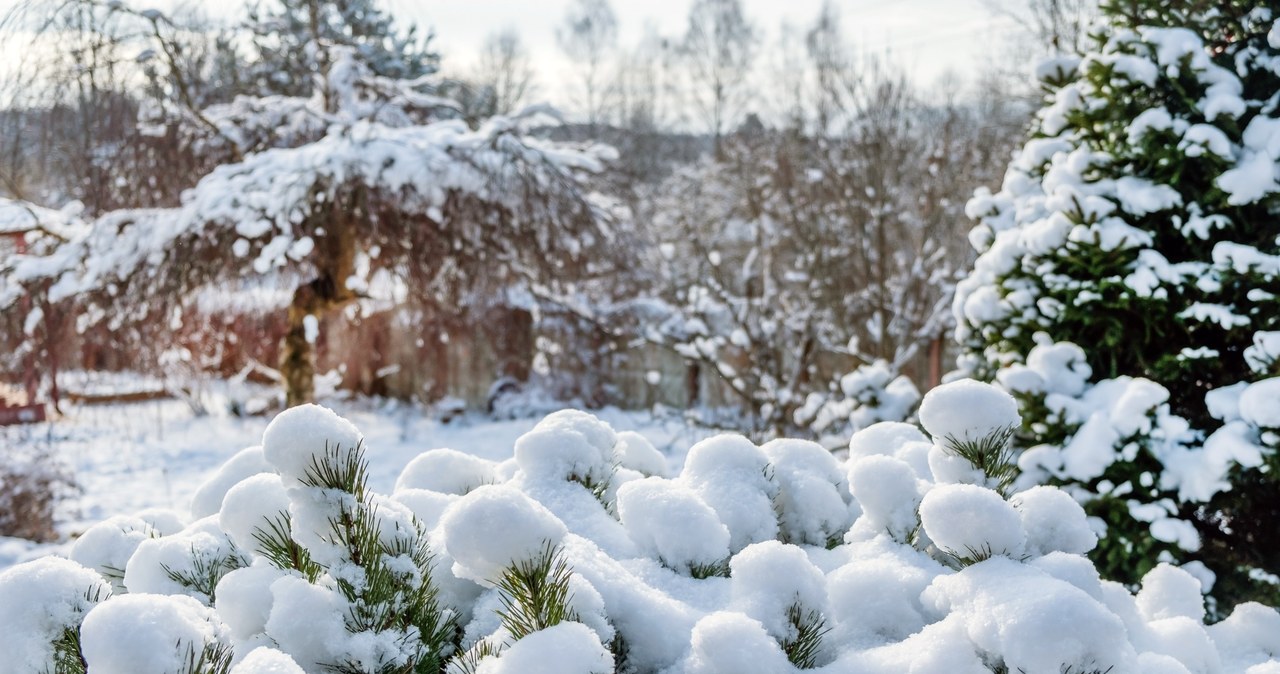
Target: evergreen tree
{"x":1126,"y":285}
{"x":292,"y":38}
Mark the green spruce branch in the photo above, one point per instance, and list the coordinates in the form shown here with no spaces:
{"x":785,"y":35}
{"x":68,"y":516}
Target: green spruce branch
{"x":718,"y":569}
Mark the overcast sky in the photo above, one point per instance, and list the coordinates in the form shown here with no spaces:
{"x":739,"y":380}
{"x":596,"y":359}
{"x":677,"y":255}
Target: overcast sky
{"x":924,"y":37}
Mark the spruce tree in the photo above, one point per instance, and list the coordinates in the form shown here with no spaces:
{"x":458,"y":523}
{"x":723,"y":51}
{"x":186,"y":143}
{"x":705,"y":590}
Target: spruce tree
{"x":291,"y":39}
{"x":1126,"y":287}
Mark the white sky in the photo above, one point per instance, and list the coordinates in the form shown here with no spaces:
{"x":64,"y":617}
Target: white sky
{"x":924,"y":37}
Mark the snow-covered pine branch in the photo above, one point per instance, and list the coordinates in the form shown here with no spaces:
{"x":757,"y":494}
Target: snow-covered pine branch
{"x":774,"y":559}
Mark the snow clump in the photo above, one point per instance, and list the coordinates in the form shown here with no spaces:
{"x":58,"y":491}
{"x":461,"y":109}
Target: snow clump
{"x":766,"y":559}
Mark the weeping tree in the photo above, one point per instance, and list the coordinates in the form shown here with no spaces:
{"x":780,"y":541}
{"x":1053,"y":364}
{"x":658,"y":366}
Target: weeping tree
{"x":394,"y":200}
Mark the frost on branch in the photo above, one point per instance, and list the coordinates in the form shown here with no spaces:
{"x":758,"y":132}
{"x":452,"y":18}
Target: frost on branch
{"x":759,"y":559}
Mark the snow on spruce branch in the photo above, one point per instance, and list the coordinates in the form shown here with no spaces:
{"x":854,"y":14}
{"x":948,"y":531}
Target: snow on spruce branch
{"x":1125,"y":285}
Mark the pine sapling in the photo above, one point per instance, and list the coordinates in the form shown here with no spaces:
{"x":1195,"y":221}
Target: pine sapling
{"x":386,"y":580}
{"x":67,"y":655}
{"x":534,"y":595}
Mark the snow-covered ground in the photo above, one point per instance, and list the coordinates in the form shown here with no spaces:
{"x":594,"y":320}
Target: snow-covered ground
{"x":135,"y":456}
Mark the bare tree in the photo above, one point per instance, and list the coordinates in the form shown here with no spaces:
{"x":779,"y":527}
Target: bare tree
{"x":588,"y":35}
{"x":831,"y":63}
{"x":644,"y":83}
{"x":1059,"y":26}
{"x":504,"y":73}
{"x":719,"y":48}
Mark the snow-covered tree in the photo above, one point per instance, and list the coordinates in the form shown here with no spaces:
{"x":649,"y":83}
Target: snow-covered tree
{"x":1126,"y":285}
{"x":800,"y":254}
{"x":291,"y":41}
{"x":365,"y":189}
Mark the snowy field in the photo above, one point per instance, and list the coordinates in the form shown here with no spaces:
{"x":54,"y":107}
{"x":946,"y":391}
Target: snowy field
{"x":132,"y":457}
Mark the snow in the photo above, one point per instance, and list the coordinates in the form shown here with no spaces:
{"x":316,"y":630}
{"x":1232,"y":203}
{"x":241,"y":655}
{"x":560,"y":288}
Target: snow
{"x":634,"y":451}
{"x":813,"y":500}
{"x":889,"y":492}
{"x":967,"y":411}
{"x":516,"y":528}
{"x":567,"y":648}
{"x":153,"y":565}
{"x":893,"y":601}
{"x":298,"y":438}
{"x":306,"y":622}
{"x":147,"y":634}
{"x":1260,"y":403}
{"x":567,"y":445}
{"x":768,"y":578}
{"x":249,"y":504}
{"x":972,"y":522}
{"x":1168,"y":592}
{"x":730,"y":642}
{"x":107,"y":546}
{"x":1054,"y":522}
{"x":730,"y":473}
{"x":264,"y":660}
{"x":208,"y":498}
{"x":244,"y":599}
{"x":38,"y":600}
{"x":669,"y":522}
{"x":446,"y":471}
{"x":1011,"y":609}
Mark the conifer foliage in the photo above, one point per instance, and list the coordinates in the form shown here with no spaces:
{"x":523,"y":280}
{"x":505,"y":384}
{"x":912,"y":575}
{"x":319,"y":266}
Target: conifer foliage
{"x":291,"y":39}
{"x":909,"y":556}
{"x":1125,"y":288}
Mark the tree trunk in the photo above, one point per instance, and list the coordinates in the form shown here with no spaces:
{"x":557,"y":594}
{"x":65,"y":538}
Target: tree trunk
{"x":335,"y":262}
{"x":297,"y":357}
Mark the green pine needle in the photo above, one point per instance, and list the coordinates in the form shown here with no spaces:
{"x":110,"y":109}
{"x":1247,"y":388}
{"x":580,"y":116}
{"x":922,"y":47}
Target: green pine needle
{"x":468,"y":661}
{"x":206,"y":572}
{"x":213,"y":658}
{"x":810,"y":626}
{"x":275,"y":542}
{"x":388,"y":595}
{"x":718,"y":569}
{"x":992,"y":455}
{"x":535,"y":593}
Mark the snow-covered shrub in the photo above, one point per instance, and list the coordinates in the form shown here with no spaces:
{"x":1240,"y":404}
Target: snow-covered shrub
{"x":32,"y":481}
{"x":870,"y":394}
{"x":867,"y":566}
{"x":1125,"y":289}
